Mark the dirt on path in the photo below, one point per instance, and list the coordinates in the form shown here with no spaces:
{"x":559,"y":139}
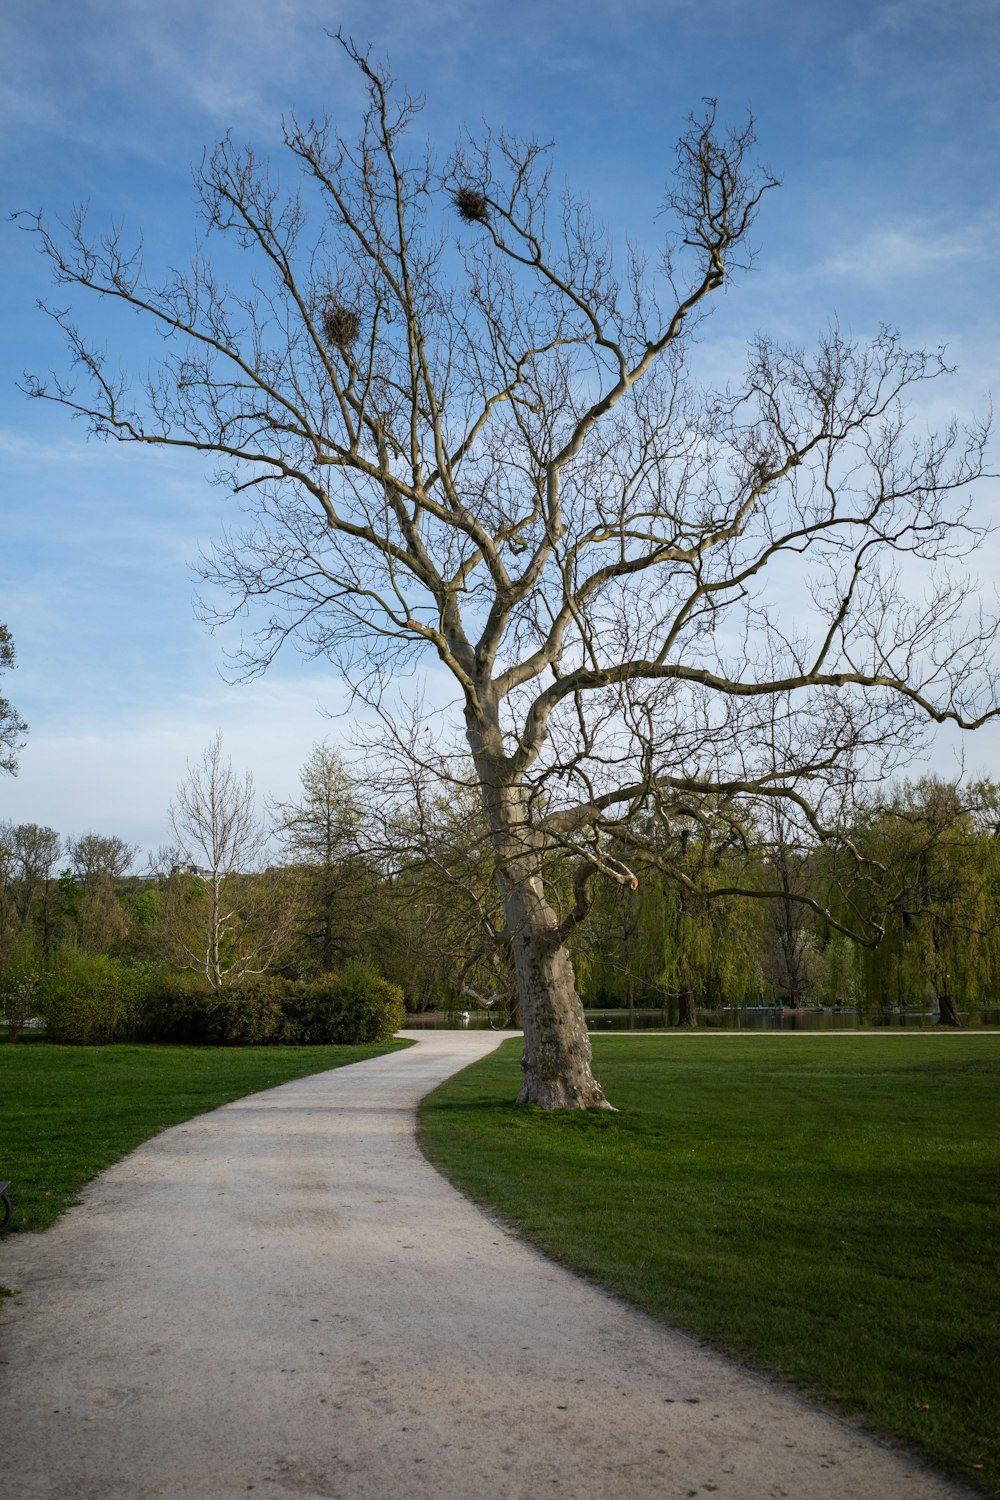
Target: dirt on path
{"x":282,"y":1299}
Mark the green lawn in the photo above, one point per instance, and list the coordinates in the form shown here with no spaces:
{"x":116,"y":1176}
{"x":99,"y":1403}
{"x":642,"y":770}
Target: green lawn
{"x":66,"y":1113}
{"x":826,"y":1208}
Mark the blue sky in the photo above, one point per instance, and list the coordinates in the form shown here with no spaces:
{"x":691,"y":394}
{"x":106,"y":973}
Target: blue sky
{"x":883,"y":120}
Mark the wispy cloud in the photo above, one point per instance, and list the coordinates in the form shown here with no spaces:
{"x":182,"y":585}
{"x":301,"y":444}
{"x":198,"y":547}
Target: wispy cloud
{"x":926,"y":53}
{"x":231,"y":63}
{"x":117,"y":771}
{"x":130,"y":757}
{"x":914,"y":247}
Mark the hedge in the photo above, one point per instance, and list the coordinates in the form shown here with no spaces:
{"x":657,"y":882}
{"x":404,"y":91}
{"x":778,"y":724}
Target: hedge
{"x":90,"y":1000}
{"x":358,"y":1006}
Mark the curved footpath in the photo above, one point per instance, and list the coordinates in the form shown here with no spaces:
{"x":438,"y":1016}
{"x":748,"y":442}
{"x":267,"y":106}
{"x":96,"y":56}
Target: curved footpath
{"x":283,"y":1298}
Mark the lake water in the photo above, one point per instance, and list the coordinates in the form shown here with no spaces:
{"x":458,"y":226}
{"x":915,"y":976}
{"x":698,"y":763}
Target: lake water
{"x":742,"y":1018}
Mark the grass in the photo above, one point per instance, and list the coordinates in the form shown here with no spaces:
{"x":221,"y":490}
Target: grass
{"x":824,"y":1208}
{"x":66,"y":1113}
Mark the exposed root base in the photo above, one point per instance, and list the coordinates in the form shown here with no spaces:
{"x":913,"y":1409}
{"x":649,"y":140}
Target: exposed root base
{"x":558,"y":1096}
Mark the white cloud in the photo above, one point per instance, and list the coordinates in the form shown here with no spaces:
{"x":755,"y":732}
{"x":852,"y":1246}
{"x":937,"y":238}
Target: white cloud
{"x":886,"y":253}
{"x":231,"y":63}
{"x":119,"y":775}
{"x":114,"y":766}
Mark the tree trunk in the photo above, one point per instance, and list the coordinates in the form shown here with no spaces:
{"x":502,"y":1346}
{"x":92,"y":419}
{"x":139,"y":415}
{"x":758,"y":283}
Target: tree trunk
{"x":326,"y":960}
{"x":214,"y":965}
{"x":687,"y":1015}
{"x":557,"y":1054}
{"x":947,"y":1014}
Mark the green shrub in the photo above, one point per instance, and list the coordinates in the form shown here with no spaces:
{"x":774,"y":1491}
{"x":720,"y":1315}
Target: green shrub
{"x":88,"y":999}
{"x":311,"y":1010}
{"x":175,"y":1009}
{"x":183,"y":1008}
{"x":20,"y":980}
{"x":355,"y":1007}
{"x":249,"y":1014}
{"x":18,"y":1001}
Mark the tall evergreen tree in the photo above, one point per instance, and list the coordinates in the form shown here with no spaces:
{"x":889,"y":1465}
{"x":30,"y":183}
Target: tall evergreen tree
{"x":319,"y":833}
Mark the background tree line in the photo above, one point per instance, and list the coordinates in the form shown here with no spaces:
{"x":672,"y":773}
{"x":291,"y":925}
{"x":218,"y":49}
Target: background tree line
{"x":342,"y":878}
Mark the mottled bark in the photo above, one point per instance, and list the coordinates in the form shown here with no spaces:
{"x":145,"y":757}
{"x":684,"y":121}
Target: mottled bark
{"x":557,"y":1054}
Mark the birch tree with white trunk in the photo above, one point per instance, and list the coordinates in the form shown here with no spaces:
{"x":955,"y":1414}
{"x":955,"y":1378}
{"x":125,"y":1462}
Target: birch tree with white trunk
{"x":239,"y":921}
{"x":462,"y":432}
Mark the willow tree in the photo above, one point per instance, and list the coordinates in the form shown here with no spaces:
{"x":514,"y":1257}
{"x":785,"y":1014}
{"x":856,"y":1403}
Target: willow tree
{"x":936,"y":842}
{"x":460,"y":433}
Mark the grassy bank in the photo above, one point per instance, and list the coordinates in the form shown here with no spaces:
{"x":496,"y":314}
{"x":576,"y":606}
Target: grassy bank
{"x":825,"y":1208}
{"x":66,"y":1113}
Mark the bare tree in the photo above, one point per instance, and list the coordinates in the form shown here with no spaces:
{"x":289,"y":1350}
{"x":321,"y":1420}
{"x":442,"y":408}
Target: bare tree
{"x":460,"y":432}
{"x":32,"y":851}
{"x":12,"y":726}
{"x":241,"y":920}
{"x":96,"y":855}
{"x":98,"y":863}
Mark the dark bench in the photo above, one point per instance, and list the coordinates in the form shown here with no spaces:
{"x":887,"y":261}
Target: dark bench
{"x":5,"y":1208}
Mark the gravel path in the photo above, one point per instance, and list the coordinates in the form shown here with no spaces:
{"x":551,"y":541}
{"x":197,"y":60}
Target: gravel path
{"x":282,"y":1298}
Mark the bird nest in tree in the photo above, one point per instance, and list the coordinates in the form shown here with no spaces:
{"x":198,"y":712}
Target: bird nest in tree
{"x":340,"y":324}
{"x":472,"y":205}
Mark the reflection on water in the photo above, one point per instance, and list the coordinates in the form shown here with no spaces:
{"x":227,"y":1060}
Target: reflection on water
{"x":734,"y":1018}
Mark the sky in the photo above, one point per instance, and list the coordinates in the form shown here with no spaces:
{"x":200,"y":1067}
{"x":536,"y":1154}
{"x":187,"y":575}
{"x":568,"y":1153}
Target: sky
{"x":882,"y":120}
